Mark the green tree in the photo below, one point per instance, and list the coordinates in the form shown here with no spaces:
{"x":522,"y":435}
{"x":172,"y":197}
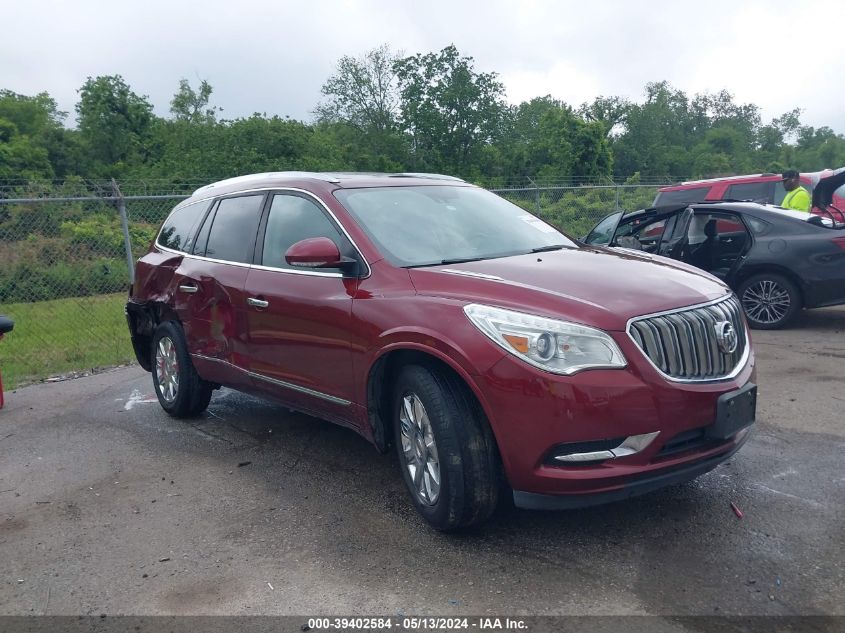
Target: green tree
{"x":610,"y":112}
{"x":545,"y":140}
{"x":449,"y":110}
{"x":33,"y":141}
{"x":818,"y":148}
{"x":115,"y":124}
{"x":192,"y":105}
{"x":363,"y":92}
{"x":20,"y":158}
{"x":656,"y":138}
{"x":360,"y":109}
{"x":31,"y":115}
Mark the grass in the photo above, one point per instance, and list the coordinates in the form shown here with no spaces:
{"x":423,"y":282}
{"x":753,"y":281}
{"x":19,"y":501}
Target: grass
{"x":64,"y":335}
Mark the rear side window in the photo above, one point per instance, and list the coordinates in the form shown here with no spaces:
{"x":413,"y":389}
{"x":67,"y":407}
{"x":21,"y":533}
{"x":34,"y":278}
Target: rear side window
{"x":757,"y":226}
{"x":755,"y":191}
{"x":291,"y":220}
{"x":233,"y":229}
{"x":178,"y":229}
{"x":681,"y":196}
{"x":202,"y":235}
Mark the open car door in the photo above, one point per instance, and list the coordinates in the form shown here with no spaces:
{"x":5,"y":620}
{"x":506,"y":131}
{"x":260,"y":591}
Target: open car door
{"x":677,"y":244}
{"x":823,"y":195}
{"x":603,"y":232}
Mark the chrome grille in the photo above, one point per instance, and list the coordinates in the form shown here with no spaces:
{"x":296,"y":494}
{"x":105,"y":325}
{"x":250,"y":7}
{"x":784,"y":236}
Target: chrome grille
{"x":683,"y":344}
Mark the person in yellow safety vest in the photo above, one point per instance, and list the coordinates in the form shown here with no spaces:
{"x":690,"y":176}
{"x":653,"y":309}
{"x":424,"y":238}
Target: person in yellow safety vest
{"x":797,"y":197}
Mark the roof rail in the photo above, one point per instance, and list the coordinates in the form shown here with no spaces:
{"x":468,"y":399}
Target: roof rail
{"x":409,"y":174}
{"x":723,"y":178}
{"x":240,"y":180}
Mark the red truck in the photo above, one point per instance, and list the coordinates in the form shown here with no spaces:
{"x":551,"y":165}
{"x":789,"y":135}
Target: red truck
{"x":763,"y":188}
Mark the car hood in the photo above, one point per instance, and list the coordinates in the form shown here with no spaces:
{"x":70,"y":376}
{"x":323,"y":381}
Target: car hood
{"x":595,"y":286}
{"x":823,"y":192}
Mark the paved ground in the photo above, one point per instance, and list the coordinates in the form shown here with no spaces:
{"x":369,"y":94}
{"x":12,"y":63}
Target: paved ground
{"x":109,"y":506}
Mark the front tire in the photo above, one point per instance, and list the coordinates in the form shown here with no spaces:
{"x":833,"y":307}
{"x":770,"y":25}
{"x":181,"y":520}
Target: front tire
{"x":770,"y":301}
{"x":445,"y":447}
{"x":180,"y":390}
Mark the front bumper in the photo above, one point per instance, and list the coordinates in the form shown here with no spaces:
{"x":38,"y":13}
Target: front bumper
{"x":633,"y":488}
{"x":534,"y":414}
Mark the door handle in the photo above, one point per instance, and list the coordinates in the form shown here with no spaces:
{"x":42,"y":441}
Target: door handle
{"x":258,"y":303}
{"x":190,"y":289}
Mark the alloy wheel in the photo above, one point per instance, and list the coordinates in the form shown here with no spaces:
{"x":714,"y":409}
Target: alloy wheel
{"x":766,"y":301}
{"x":419,"y":450}
{"x":167,"y":369}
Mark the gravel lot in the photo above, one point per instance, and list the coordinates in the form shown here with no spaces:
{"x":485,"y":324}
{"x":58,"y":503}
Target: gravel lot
{"x":109,"y":506}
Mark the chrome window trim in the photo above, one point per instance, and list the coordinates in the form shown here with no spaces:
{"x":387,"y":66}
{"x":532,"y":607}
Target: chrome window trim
{"x":201,"y":258}
{"x":280,"y":383}
{"x":743,"y":361}
{"x":271,"y":268}
{"x":251,"y":266}
{"x":294,"y":271}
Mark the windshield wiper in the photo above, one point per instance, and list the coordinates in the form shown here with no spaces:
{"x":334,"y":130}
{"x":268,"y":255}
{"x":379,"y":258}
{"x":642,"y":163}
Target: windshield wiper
{"x":460,"y":260}
{"x":454,"y":260}
{"x":550,"y":247}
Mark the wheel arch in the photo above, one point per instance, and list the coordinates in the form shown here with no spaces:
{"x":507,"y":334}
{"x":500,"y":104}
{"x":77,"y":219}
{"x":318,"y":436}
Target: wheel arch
{"x":752,"y":270}
{"x":383,"y":373}
{"x":143,"y":319}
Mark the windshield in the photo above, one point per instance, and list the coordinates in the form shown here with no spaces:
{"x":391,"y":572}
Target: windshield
{"x":428,"y":225}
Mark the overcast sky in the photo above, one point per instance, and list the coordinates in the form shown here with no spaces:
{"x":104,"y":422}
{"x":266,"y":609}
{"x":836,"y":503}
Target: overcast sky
{"x":273,"y":56}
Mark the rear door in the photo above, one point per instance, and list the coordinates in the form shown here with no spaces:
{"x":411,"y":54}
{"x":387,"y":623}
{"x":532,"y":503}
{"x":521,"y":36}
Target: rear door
{"x":732,"y":239}
{"x":299,"y":319}
{"x":214,"y":278}
{"x":176,"y":240}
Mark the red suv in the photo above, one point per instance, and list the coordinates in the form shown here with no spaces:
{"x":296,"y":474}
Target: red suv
{"x":495,"y":353}
{"x":762,"y":188}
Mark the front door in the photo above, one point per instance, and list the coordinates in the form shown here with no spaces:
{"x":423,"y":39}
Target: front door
{"x":299,"y":319}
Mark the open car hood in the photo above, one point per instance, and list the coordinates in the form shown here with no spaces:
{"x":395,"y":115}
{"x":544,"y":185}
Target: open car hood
{"x":823,"y":192}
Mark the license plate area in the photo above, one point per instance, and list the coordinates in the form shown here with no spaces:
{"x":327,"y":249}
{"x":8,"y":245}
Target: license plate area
{"x":735,"y":410}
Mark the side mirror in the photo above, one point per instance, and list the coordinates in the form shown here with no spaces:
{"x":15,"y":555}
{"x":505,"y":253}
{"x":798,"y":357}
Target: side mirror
{"x":317,"y":252}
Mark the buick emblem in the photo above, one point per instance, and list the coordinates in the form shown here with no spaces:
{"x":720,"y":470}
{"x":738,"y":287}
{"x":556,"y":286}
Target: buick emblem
{"x":726,"y":336}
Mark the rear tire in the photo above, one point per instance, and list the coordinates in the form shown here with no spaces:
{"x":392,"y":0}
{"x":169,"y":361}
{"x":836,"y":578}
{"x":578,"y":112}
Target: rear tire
{"x":446,"y":450}
{"x":180,"y":390}
{"x":770,"y":301}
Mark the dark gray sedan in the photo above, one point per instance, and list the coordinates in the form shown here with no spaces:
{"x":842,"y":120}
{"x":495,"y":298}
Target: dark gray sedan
{"x":778,"y":261}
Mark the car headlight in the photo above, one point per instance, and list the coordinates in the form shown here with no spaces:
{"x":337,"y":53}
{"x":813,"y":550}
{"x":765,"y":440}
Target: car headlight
{"x":556,"y":346}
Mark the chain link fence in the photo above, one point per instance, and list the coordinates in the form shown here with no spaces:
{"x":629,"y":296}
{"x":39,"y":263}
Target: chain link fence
{"x":575,"y":210}
{"x":64,"y":275}
{"x":65,"y":264}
